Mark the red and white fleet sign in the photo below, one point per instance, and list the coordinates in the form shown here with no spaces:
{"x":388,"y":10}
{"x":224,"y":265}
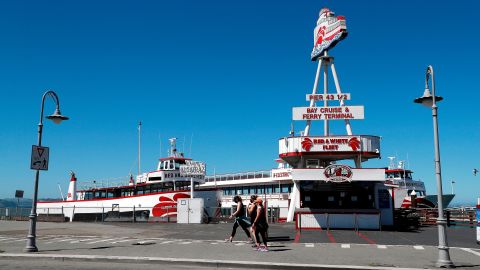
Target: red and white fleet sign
{"x":328,"y":113}
{"x":322,"y":97}
{"x":320,"y":144}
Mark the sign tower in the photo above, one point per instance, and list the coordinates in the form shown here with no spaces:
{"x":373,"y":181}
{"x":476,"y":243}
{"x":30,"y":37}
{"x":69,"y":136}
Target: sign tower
{"x":321,"y":151}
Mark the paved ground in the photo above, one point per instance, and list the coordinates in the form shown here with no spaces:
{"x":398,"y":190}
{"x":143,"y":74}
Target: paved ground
{"x":206,"y":242}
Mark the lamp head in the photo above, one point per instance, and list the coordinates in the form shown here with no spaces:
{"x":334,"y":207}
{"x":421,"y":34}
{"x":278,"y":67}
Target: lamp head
{"x":57,"y":117}
{"x":427,"y":99}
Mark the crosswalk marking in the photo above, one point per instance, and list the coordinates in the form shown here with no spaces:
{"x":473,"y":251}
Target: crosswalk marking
{"x":102,"y":240}
{"x":165,"y":242}
{"x":83,"y":240}
{"x":121,"y":241}
{"x":418,"y":247}
{"x":381,"y":246}
{"x":55,"y":240}
{"x":345,"y":245}
{"x":9,"y":238}
{"x":309,"y":245}
{"x":471,"y":251}
{"x":239,"y":244}
{"x":185,"y":243}
{"x":214,"y":243}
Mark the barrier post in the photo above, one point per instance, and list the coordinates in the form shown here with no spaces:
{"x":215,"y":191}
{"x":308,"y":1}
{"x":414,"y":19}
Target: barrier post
{"x":448,"y":218}
{"x":103,"y":213}
{"x":478,"y":221}
{"x":134,"y":214}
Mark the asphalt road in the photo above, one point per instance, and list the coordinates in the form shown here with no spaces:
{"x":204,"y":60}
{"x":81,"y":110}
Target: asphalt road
{"x":48,"y":264}
{"x":144,"y":241}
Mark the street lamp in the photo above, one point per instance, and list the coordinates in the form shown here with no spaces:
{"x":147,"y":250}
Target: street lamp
{"x":429,"y":100}
{"x":56,"y":117}
{"x":451,"y":183}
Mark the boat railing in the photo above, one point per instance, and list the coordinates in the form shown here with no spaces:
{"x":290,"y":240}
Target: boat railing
{"x":238,"y":176}
{"x":96,"y":184}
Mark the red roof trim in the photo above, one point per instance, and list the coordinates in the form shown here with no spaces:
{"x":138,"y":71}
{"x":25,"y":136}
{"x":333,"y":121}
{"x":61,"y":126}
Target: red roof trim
{"x":174,"y":158}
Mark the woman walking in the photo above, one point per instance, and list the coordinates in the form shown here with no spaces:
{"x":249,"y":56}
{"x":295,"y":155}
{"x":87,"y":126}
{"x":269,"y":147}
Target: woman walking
{"x":260,"y":226}
{"x":240,"y":219}
{"x":252,"y":214}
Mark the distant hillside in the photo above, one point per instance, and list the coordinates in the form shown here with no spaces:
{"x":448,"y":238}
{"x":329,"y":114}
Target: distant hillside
{"x":12,"y":202}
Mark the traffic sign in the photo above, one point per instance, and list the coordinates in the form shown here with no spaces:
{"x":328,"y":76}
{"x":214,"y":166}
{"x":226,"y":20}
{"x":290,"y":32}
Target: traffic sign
{"x":39,"y":159}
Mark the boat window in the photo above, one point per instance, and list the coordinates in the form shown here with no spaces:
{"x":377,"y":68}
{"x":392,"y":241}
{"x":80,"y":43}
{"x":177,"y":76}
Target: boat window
{"x":88,"y":195}
{"x":246,"y":190}
{"x":166,"y":163}
{"x":269,"y":190}
{"x":100,"y":194}
{"x":177,"y":165}
{"x":110,"y":194}
{"x":276,"y":189}
{"x":172,"y":166}
{"x":260,"y":189}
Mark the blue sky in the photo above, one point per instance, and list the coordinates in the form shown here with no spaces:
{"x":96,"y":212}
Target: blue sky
{"x":225,"y":75}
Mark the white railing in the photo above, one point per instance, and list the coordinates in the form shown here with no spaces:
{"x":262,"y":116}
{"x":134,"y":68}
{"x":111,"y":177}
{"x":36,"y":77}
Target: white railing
{"x":238,"y":176}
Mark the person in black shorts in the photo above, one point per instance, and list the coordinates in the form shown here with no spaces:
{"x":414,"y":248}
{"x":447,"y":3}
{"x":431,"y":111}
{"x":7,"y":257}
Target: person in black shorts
{"x":252,"y":214}
{"x":240,"y":219}
{"x":260,"y":226}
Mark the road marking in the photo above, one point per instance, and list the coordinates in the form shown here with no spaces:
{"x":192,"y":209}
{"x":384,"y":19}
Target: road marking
{"x":381,"y":246}
{"x":103,"y":240}
{"x":471,"y":251}
{"x":166,"y":242}
{"x":83,"y":240}
{"x":345,"y":245}
{"x":297,"y":237}
{"x":239,"y":244}
{"x":214,"y":243}
{"x":330,"y":237}
{"x":121,"y":241}
{"x":309,"y":245}
{"x":6,"y":239}
{"x":418,"y":247}
{"x":55,"y":240}
{"x":370,"y":241}
{"x":18,"y":240}
{"x":185,"y":243}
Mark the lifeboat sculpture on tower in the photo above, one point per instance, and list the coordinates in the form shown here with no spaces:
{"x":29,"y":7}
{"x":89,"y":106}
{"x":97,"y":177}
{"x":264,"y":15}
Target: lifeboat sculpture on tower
{"x":329,"y":31}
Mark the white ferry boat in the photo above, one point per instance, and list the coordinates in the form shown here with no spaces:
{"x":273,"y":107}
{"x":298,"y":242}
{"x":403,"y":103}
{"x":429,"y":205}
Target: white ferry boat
{"x":404,"y":188}
{"x":152,"y":196}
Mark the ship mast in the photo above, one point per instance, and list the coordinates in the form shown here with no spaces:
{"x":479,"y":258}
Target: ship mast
{"x":139,"y":146}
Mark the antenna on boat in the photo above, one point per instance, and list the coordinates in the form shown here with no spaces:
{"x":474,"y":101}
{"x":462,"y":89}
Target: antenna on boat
{"x":160,"y":139}
{"x":61,"y":193}
{"x":391,"y":165}
{"x":191,"y":140}
{"x":139,"y":145}
{"x":173,"y":146}
{"x":183,"y":146}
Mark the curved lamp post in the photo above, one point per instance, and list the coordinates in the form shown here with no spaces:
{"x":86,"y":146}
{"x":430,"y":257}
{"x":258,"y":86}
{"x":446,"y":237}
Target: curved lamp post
{"x":56,"y":117}
{"x":429,"y":100}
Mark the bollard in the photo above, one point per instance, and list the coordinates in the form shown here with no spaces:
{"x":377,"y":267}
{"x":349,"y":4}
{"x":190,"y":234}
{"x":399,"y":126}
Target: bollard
{"x":448,"y":218}
{"x":134,"y":214}
{"x":478,"y":221}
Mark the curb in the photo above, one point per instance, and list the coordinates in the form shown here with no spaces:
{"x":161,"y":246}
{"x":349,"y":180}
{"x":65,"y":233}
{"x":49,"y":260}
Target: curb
{"x":193,"y":262}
